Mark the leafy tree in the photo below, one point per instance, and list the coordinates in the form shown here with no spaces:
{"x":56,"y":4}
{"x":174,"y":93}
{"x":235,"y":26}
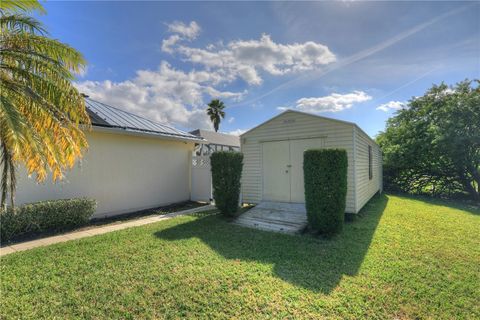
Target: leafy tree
{"x":40,"y":109}
{"x":216,"y":113}
{"x":433,"y":145}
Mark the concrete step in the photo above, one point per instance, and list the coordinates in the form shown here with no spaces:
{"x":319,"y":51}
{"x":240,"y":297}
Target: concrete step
{"x":275,"y":216}
{"x":272,"y":221}
{"x":270,"y":226}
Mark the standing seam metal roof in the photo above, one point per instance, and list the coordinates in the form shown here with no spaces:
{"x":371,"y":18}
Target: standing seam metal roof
{"x":103,"y":115}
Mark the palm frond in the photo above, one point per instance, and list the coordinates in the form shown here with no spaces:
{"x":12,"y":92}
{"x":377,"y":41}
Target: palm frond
{"x":40,"y":109}
{"x":17,"y":23}
{"x":23,"y":5}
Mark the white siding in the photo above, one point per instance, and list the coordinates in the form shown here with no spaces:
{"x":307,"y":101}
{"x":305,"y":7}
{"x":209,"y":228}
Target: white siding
{"x":124,"y":173}
{"x":289,"y":126}
{"x":366,"y":187}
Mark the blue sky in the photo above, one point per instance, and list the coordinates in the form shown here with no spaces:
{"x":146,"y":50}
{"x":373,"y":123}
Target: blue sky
{"x":355,"y":61}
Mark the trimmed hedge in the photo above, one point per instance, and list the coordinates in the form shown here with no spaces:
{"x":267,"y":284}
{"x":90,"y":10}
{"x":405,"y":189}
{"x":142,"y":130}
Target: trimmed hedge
{"x":325,"y":176}
{"x":226,"y":173}
{"x":45,"y":216}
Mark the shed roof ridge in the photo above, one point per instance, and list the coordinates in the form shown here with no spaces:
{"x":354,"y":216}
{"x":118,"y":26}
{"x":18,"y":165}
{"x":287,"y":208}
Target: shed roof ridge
{"x":312,"y":115}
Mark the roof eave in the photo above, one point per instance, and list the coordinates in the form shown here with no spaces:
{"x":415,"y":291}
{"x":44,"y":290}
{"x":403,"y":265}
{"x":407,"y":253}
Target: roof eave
{"x":146,"y":134}
{"x":312,"y":115}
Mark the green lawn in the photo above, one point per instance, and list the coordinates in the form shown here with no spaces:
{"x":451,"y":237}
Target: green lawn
{"x":402,"y":259}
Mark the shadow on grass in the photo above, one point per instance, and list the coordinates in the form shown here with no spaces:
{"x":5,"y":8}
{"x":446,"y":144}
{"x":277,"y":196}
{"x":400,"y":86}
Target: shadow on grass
{"x":313,"y":263}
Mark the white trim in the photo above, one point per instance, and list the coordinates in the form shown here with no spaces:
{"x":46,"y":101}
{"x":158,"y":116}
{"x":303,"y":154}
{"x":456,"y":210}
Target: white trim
{"x":354,"y":133}
{"x":263,"y":173}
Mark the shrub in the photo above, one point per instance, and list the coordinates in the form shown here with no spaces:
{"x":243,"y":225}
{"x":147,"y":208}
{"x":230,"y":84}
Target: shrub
{"x":45,"y":216}
{"x":226,"y":173}
{"x":325,"y":176}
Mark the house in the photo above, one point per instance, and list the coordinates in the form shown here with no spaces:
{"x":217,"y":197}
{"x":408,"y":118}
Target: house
{"x":215,"y":141}
{"x":132,"y":164}
{"x":273,"y":158}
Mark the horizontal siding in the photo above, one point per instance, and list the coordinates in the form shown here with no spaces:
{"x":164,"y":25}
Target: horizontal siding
{"x":252,"y":173}
{"x":366,"y":188}
{"x":291,"y":126}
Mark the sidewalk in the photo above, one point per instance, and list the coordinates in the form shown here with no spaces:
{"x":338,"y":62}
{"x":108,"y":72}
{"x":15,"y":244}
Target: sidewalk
{"x":96,"y":231}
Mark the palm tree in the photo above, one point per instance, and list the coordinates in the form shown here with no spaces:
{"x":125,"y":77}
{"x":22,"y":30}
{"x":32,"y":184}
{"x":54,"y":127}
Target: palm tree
{"x":41,"y":112}
{"x":215,"y":112}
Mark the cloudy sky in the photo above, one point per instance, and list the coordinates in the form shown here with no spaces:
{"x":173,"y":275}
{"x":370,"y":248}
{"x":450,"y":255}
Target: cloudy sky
{"x":355,"y":61}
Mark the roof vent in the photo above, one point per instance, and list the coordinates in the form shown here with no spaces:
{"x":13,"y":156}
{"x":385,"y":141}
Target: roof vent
{"x":84,"y":95}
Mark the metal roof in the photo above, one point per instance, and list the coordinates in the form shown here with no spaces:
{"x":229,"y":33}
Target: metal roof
{"x":103,"y":115}
{"x":213,"y":137}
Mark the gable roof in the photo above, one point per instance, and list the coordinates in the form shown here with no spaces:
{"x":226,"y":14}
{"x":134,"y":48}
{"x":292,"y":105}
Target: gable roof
{"x":311,"y":115}
{"x":106,"y":116}
{"x":218,"y":138}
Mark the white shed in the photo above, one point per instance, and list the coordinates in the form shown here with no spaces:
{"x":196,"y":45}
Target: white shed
{"x":273,"y":158}
{"x":132,"y":164}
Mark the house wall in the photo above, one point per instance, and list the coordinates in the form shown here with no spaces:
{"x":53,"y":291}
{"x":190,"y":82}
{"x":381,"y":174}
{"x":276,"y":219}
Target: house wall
{"x":124,"y":173}
{"x":293,"y":125}
{"x":366,"y":187}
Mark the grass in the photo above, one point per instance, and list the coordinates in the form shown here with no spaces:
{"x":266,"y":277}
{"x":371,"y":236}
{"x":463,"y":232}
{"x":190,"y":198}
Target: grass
{"x":402,"y":258}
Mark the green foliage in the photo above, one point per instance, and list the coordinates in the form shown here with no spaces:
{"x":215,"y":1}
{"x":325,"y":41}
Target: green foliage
{"x":40,"y":109}
{"x":325,"y":176}
{"x":216,"y":113}
{"x":45,"y":216}
{"x":433,"y":145}
{"x":226,"y":173}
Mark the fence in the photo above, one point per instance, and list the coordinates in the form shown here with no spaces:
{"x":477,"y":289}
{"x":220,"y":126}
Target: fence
{"x":201,"y":179}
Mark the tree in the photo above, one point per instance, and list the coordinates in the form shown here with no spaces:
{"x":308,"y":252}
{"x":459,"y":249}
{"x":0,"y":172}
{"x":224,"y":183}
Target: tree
{"x":41,"y":112}
{"x":433,"y":145}
{"x":216,"y":113}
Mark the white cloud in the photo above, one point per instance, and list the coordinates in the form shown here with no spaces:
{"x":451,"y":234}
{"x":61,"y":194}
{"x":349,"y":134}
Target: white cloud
{"x":189,"y":31}
{"x":332,"y":103}
{"x":237,"y":132}
{"x":245,"y":59}
{"x":168,"y":43}
{"x":178,"y":97}
{"x":180,"y":31}
{"x":391,"y":105}
{"x":231,"y":119}
{"x":166,"y":95}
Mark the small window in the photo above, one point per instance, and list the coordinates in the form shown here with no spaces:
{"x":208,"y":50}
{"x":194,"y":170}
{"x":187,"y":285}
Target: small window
{"x":370,"y":169}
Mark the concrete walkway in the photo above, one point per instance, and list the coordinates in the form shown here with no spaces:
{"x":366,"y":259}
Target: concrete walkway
{"x":97,"y":230}
{"x":275,"y":216}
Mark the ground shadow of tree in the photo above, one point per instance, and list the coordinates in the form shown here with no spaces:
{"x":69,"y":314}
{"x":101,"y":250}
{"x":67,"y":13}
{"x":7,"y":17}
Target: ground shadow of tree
{"x":307,"y":261}
{"x":465,"y":205}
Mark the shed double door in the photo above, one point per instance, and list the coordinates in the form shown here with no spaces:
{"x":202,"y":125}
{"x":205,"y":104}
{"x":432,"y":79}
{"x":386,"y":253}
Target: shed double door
{"x":283,"y":168}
